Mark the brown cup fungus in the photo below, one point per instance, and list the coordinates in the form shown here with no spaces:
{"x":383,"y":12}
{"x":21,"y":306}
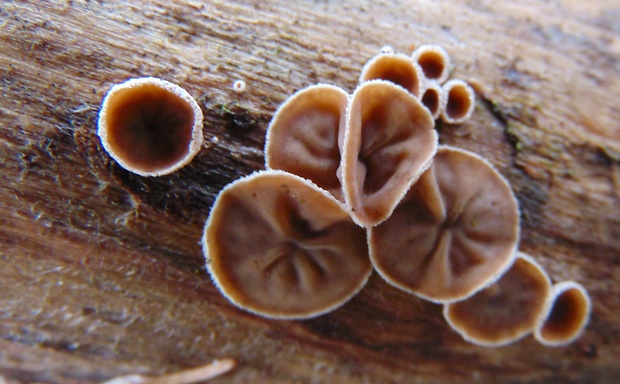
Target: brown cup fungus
{"x":434,"y":61}
{"x":505,"y":311}
{"x":397,"y":68}
{"x":454,"y":233}
{"x":303,"y":136}
{"x":389,"y":141}
{"x":460,"y":102}
{"x":280,"y":247}
{"x":434,"y":98}
{"x":150,"y":126}
{"x":568,"y":313}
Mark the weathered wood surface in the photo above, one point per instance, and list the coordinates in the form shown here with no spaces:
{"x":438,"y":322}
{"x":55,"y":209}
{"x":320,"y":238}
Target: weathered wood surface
{"x":102,"y":273}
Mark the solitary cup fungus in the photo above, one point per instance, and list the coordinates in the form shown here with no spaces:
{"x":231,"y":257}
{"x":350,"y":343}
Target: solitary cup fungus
{"x":389,"y":141}
{"x":434,"y":61}
{"x":239,"y":86}
{"x":568,"y":313}
{"x":455,"y":231}
{"x":505,"y":311}
{"x":303,"y":136}
{"x":397,"y":68}
{"x":434,"y":98}
{"x":150,"y":126}
{"x":460,"y":101}
{"x":279,"y":246}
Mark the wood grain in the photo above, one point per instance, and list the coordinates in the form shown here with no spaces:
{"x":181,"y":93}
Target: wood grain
{"x":102,"y":274}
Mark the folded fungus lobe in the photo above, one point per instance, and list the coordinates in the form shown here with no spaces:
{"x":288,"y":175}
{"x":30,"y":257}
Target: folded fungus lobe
{"x":389,"y":141}
{"x":150,"y":126}
{"x":455,"y":231}
{"x":305,"y":136}
{"x":505,"y":311}
{"x":280,"y":247}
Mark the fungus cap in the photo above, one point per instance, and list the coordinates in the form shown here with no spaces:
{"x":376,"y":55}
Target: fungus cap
{"x":303,"y":137}
{"x":434,"y":98}
{"x":455,"y":232}
{"x":280,"y":247}
{"x":150,"y":126}
{"x":460,"y":102}
{"x":389,"y":141}
{"x":397,"y":68}
{"x":568,"y":313}
{"x":434,"y":60}
{"x":505,"y":311}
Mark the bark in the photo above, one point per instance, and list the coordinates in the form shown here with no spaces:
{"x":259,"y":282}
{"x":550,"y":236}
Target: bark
{"x":103,"y":272}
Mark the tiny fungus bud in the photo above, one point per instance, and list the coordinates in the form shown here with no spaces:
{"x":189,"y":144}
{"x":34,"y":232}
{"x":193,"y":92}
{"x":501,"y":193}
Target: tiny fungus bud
{"x":460,"y":101}
{"x":434,"y":61}
{"x":389,"y":141}
{"x":304,"y":136}
{"x":568,"y":314}
{"x":434,"y":98}
{"x":387,"y":50}
{"x":280,"y":247}
{"x":150,"y":126}
{"x":239,"y":86}
{"x":455,"y":231}
{"x":397,"y":68}
{"x":505,"y":311}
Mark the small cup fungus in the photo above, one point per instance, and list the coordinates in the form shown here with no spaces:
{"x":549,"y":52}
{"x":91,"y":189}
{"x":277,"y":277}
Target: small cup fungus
{"x":568,"y":313}
{"x":303,"y":136}
{"x":505,"y":311}
{"x":434,"y":98}
{"x":460,"y":102}
{"x":239,"y":86}
{"x":434,"y":61}
{"x":389,"y":141}
{"x":150,"y":126}
{"x":397,"y":68}
{"x":278,"y":246}
{"x":455,"y":232}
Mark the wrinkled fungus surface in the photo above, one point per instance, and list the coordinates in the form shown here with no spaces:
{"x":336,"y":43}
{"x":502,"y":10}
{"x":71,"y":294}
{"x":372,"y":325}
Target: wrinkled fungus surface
{"x":455,"y":231}
{"x":389,"y":142}
{"x":507,"y":310}
{"x":150,"y":126}
{"x":281,"y":247}
{"x":569,"y":312}
{"x":303,"y":136}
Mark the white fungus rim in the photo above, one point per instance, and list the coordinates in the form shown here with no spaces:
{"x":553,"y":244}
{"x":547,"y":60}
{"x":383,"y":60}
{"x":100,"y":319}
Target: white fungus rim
{"x":483,"y":283}
{"x":436,"y":49}
{"x":556,"y":291}
{"x":196,"y":137}
{"x":523,"y":333}
{"x":471,"y":96}
{"x":310,"y":314}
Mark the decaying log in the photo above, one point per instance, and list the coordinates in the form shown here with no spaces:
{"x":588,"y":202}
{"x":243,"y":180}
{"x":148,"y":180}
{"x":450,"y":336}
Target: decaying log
{"x":102,"y":272}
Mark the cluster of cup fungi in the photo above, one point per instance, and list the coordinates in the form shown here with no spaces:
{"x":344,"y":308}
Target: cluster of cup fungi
{"x":356,"y":182}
